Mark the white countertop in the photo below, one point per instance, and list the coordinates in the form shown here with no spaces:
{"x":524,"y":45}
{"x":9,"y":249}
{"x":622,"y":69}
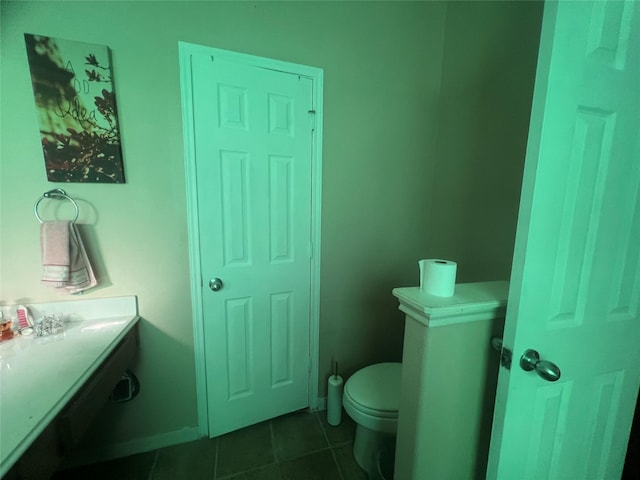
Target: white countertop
{"x":471,"y":301}
{"x":38,"y":376}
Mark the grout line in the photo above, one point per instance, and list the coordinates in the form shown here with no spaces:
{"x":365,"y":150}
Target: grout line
{"x":273,"y":442}
{"x":335,"y":460}
{"x":215,"y":462}
{"x":333,"y":454}
{"x":324,"y":431}
{"x":310,"y":452}
{"x":153,"y":465}
{"x":253,"y":469}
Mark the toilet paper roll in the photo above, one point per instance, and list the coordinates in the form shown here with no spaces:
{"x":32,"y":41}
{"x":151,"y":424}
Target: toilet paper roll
{"x":438,"y":277}
{"x":334,"y":400}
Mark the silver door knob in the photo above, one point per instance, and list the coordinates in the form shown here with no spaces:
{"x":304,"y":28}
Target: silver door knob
{"x":530,"y":360}
{"x":215,"y":284}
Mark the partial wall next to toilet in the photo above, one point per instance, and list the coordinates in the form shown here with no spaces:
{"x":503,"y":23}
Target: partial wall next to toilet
{"x":488,"y":72}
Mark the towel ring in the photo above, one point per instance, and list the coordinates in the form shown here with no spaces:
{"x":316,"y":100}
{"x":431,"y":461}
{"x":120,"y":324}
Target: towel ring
{"x":58,"y":194}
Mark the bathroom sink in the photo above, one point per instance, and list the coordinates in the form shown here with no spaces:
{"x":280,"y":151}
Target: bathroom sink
{"x":40,"y":375}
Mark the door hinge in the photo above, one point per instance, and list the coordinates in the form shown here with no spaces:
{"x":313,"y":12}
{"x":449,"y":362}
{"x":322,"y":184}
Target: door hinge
{"x":312,"y":116}
{"x":506,"y":355}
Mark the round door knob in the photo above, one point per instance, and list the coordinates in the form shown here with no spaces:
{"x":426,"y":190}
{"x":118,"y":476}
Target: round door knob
{"x":530,"y":360}
{"x":215,"y":284}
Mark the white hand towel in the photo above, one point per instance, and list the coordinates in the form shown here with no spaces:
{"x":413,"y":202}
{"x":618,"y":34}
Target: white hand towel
{"x":65,"y":264}
{"x":54,"y":243}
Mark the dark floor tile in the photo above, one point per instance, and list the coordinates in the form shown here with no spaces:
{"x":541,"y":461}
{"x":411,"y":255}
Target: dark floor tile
{"x":298,"y":439}
{"x":315,"y":466}
{"x":272,"y":472}
{"x":193,"y":460}
{"x":340,"y":434}
{"x":134,"y":467}
{"x":297,"y":434}
{"x":244,"y":450}
{"x":347,"y":464}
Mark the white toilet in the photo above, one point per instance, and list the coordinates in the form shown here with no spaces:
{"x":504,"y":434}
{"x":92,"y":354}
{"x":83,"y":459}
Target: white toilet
{"x":371,"y":398}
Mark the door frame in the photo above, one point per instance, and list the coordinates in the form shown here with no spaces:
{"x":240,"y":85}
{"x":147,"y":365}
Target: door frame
{"x":186,"y":51}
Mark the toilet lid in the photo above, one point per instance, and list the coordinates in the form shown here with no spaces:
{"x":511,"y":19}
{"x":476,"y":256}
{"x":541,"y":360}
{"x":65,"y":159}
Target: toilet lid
{"x":376,"y":387}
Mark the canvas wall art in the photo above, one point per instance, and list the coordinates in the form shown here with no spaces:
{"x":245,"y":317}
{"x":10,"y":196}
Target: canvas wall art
{"x":74,"y":95}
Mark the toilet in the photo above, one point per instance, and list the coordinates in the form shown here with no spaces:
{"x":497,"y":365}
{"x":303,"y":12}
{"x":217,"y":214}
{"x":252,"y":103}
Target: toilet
{"x":371,"y":398}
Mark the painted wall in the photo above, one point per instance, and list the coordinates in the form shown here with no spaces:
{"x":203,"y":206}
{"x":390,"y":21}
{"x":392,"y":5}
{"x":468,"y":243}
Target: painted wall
{"x":385,"y":163}
{"x":488,"y":72}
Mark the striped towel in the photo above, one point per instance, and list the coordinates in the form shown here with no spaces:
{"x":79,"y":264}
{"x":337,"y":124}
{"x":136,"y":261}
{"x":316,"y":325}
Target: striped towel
{"x":65,"y":265}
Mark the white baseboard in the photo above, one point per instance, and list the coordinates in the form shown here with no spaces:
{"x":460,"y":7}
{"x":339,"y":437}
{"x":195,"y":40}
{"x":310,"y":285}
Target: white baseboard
{"x":131,"y":447}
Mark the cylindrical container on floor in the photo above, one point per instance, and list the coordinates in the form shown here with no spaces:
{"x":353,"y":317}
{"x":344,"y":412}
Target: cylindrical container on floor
{"x":334,"y":400}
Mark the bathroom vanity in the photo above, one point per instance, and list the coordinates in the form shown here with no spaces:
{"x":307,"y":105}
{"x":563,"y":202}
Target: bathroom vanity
{"x":52,"y":387}
{"x":449,"y":377}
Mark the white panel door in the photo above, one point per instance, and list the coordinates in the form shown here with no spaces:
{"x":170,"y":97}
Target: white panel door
{"x":575,"y":283}
{"x":253,"y":161}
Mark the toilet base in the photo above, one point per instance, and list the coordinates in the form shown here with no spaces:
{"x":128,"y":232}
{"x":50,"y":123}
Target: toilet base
{"x":367,"y":445}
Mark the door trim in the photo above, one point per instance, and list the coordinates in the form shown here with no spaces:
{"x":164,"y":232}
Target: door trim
{"x":185,"y":51}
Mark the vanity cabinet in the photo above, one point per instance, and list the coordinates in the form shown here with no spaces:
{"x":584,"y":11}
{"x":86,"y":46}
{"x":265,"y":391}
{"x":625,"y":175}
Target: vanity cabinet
{"x":62,"y":434}
{"x":88,"y":402}
{"x":54,"y":387}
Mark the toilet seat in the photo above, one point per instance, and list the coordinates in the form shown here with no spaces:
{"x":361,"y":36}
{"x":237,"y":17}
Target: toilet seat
{"x":372,"y":396}
{"x":376,"y":388}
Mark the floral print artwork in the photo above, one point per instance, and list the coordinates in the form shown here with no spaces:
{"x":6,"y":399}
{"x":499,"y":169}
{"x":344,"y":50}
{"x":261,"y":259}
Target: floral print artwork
{"x":76,"y":106}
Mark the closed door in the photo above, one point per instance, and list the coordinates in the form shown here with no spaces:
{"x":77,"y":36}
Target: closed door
{"x":253,"y":131}
{"x":575,"y":286}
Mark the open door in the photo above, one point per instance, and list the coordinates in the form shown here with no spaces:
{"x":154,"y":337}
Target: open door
{"x":575,"y":284}
{"x":252,"y":149}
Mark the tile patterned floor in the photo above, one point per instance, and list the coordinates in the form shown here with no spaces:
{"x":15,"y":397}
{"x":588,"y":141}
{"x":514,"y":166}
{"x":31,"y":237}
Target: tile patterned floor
{"x":298,"y":446}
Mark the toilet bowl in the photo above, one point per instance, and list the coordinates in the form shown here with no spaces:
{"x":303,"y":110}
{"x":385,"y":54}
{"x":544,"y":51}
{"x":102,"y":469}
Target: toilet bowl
{"x":371,"y":398}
